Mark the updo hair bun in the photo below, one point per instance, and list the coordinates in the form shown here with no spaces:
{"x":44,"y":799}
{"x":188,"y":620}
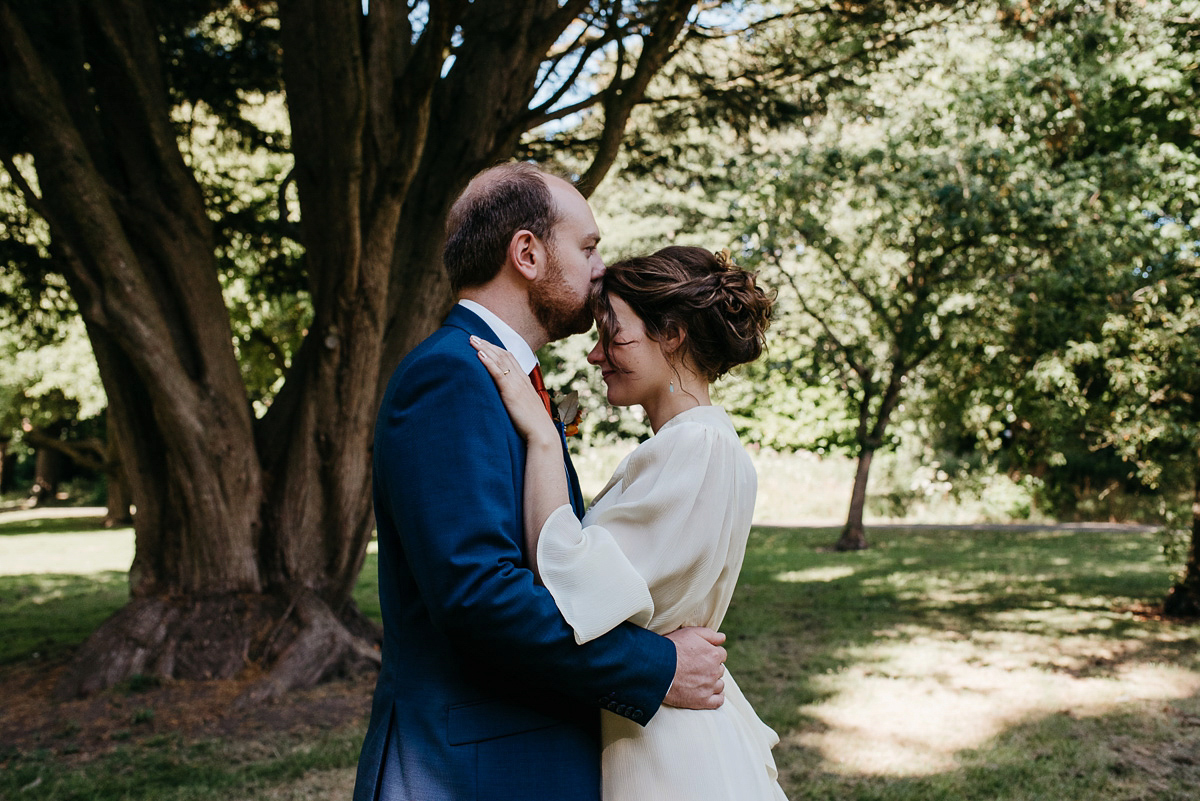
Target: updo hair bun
{"x":719,"y":306}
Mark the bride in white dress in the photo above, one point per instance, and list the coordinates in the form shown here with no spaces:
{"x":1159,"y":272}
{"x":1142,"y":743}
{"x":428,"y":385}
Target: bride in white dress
{"x":663,"y":542}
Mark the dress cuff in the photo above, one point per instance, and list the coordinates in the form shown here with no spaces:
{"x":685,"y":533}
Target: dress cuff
{"x":593,"y":583}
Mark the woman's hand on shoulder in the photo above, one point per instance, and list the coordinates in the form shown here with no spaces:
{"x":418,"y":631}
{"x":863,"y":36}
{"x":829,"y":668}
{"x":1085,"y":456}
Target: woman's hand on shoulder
{"x":520,"y":398}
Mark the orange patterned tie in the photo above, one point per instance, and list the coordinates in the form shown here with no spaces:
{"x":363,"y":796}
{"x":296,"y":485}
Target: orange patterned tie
{"x":536,"y":377}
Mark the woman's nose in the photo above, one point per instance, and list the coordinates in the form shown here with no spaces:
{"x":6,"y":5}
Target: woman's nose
{"x":596,"y":355}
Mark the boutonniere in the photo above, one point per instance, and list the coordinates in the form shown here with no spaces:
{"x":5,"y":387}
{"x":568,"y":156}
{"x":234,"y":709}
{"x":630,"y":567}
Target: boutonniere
{"x":569,"y":413}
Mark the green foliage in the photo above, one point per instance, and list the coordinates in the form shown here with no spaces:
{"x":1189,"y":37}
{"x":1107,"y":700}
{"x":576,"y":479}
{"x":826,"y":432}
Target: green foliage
{"x":223,"y":70}
{"x":48,"y":377}
{"x":1099,"y":101}
{"x":235,"y":135}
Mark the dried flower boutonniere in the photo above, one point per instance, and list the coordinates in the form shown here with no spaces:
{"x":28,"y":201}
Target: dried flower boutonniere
{"x":569,"y":413}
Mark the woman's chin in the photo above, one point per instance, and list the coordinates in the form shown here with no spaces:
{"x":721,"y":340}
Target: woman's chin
{"x":615,"y":399}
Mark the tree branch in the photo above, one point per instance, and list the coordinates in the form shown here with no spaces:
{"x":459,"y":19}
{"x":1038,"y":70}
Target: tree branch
{"x":31,"y":196}
{"x":657,"y":48}
{"x":87,"y":453}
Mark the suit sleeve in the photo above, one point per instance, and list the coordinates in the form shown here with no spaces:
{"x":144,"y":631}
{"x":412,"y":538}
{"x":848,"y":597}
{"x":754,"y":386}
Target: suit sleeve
{"x":450,"y":468}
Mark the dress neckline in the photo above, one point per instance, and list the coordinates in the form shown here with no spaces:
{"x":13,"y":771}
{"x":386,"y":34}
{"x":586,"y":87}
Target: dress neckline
{"x":711,"y":413}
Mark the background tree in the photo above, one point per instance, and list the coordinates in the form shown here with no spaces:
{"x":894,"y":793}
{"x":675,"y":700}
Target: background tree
{"x":1086,"y":380}
{"x":51,"y":400}
{"x":886,"y":222}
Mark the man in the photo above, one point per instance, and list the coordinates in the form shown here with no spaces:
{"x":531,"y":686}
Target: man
{"x":484,"y":693}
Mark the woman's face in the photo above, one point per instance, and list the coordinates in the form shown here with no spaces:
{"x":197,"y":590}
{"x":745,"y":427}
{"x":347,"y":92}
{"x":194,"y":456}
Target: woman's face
{"x":638,"y":372}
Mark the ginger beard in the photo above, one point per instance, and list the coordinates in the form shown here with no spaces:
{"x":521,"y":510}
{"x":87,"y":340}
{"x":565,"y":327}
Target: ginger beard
{"x":556,"y":306}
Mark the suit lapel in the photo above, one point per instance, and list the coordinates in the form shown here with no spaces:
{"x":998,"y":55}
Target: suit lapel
{"x":572,"y":480}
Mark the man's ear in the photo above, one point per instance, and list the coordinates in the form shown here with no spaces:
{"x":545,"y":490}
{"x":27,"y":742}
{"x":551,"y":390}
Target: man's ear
{"x":527,"y":254}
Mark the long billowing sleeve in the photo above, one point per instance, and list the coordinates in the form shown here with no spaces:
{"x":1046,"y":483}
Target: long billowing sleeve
{"x":664,"y":541}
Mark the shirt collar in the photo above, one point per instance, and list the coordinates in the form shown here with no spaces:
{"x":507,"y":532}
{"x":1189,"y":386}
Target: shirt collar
{"x":513,"y":342}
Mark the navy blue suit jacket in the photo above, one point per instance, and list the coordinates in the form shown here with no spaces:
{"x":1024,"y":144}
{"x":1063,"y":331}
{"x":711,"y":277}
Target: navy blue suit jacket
{"x":484,"y":693}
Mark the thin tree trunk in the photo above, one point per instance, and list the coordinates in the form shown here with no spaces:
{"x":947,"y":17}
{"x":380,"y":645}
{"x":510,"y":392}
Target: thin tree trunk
{"x":118,"y":499}
{"x":854,"y":535}
{"x":7,"y":463}
{"x":48,"y":469}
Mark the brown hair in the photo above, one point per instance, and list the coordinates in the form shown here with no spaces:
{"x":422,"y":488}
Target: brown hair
{"x":496,"y":204}
{"x":689,"y":290}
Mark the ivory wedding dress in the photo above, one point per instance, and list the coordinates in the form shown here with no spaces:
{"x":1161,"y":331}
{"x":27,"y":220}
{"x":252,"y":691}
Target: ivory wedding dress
{"x":662,"y":546}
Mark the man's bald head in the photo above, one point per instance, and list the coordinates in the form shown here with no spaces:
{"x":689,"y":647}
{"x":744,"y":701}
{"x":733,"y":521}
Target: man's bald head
{"x":496,"y":204}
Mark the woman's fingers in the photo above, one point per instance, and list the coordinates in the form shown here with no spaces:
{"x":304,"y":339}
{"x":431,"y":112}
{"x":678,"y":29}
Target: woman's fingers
{"x":522,"y":401}
{"x":499,"y":362}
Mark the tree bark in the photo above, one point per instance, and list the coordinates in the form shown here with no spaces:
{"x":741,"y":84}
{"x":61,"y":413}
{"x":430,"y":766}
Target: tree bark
{"x":48,"y":468}
{"x":854,"y":535}
{"x":117,"y":500}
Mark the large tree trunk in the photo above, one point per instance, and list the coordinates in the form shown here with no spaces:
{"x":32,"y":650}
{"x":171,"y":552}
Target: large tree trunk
{"x":139,"y":250}
{"x":250,"y":534}
{"x":1183,"y":600}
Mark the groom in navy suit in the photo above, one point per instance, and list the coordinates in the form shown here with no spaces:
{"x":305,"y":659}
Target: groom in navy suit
{"x":484,"y":693}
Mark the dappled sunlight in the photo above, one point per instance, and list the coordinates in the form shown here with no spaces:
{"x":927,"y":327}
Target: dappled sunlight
{"x":815,"y":574}
{"x":46,"y":588}
{"x":940,"y":590}
{"x":908,"y":704}
{"x":1073,"y":613}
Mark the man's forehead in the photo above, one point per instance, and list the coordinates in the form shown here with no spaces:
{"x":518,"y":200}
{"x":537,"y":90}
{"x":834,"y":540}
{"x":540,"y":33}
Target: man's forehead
{"x":572,"y":205}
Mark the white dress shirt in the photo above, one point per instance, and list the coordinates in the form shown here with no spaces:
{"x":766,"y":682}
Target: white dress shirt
{"x":513,"y":342}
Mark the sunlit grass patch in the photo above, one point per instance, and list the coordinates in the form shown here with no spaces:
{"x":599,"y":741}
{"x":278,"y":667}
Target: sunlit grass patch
{"x":916,"y":662}
{"x":908,"y":706}
{"x":63,"y":545}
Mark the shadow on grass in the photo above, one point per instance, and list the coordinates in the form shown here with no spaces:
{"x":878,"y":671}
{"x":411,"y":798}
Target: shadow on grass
{"x":1147,"y":752}
{"x":906,"y":659}
{"x":166,"y":767}
{"x":46,"y":615}
{"x":52,"y":525}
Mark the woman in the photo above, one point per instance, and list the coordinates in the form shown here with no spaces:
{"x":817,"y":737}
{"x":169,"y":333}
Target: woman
{"x":663,"y":542}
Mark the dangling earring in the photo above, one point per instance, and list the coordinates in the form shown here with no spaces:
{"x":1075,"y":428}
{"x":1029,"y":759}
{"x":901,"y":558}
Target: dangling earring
{"x":671,"y":386}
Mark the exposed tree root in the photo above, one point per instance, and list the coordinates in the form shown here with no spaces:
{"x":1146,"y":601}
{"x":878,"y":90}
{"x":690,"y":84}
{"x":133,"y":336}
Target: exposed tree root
{"x":854,"y":538}
{"x":299,"y":641}
{"x":323,"y":647}
{"x":1183,"y":600}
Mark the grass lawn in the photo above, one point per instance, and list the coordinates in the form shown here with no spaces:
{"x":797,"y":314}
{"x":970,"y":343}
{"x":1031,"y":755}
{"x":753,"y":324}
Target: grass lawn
{"x":944,"y":663}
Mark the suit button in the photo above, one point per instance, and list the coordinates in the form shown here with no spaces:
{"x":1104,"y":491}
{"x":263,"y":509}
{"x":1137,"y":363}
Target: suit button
{"x":637,"y":714}
{"x":621,"y":709}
